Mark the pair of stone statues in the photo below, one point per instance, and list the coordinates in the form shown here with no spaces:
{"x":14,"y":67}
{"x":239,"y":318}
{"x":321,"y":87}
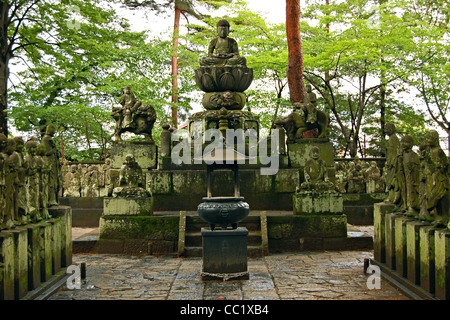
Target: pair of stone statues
{"x":29,"y":184}
{"x":418,"y":183}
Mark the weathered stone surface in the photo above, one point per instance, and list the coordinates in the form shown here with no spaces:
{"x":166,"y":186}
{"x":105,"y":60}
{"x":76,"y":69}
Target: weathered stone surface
{"x":299,"y":152}
{"x":34,"y":261}
{"x":413,"y":250}
{"x":400,"y":245}
{"x":317,"y":203}
{"x":379,"y":239}
{"x":159,"y":182}
{"x":390,"y":240}
{"x":20,"y":262}
{"x":7,"y":266}
{"x":427,"y":258}
{"x":145,"y":153}
{"x":128,"y":206}
{"x":442,"y":260}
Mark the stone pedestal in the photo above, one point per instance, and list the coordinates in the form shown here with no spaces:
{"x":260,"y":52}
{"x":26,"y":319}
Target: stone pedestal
{"x":390,"y":240}
{"x":442,"y":260}
{"x":413,"y":250}
{"x":224,"y":254}
{"x":400,"y":245}
{"x":46,"y":251}
{"x":6,"y":266}
{"x":20,"y":262}
{"x":34,"y":262}
{"x":305,"y":202}
{"x":379,"y":240}
{"x":128,"y":206}
{"x":145,"y":153}
{"x":427,"y":258}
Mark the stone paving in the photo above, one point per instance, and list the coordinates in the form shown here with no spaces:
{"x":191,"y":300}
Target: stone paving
{"x":333,"y":275}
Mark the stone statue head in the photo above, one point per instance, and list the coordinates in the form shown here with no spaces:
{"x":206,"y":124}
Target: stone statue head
{"x":314,"y":153}
{"x":223,"y":28}
{"x":19,"y":144}
{"x":73,"y":168}
{"x":373,"y":164}
{"x":127,"y":89}
{"x":389,"y":128}
{"x":3,"y":140}
{"x":40,"y":149}
{"x":308,"y":88}
{"x":50,"y":130}
{"x":407,"y":142}
{"x":10,"y":145}
{"x":30,"y":147}
{"x":129,"y":159}
{"x":432,"y":138}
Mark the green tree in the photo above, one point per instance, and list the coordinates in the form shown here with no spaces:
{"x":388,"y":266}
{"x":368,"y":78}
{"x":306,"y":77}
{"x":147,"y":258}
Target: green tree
{"x":76,"y":71}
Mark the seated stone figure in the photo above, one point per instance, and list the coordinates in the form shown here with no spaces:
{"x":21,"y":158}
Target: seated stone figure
{"x":131,"y":180}
{"x":223,"y":51}
{"x":316,"y":174}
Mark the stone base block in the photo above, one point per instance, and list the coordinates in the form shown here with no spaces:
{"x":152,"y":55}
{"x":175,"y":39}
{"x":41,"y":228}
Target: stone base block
{"x":427,"y":262}
{"x":145,"y":153}
{"x":225,"y":252}
{"x":390,"y":240}
{"x":442,"y":260}
{"x":379,"y":241}
{"x":20,"y":262}
{"x":413,"y":250}
{"x":128,"y":206}
{"x":400,"y":245}
{"x":317,"y":203}
{"x":6,"y":266}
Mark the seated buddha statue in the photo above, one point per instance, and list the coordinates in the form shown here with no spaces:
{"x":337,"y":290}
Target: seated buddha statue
{"x":223,"y":51}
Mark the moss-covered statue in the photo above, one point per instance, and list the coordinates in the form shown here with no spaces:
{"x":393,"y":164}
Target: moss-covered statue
{"x":436,"y":174}
{"x":131,"y":180}
{"x":316,"y":173}
{"x":306,"y":121}
{"x":133,"y":116}
{"x":31,"y":164}
{"x":392,"y":149}
{"x":411,"y":177}
{"x":3,"y":159}
{"x":54,"y":174}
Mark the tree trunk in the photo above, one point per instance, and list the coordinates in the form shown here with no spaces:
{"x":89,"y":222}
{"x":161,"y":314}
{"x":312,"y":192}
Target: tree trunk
{"x":294,"y":71}
{"x":5,"y":55}
{"x":176,"y":30}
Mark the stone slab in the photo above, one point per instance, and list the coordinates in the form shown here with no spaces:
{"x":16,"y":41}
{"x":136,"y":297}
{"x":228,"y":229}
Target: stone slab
{"x":379,"y":239}
{"x":427,"y":258}
{"x":317,"y":203}
{"x":299,"y":152}
{"x":400,"y":245}
{"x":20,"y":262}
{"x":413,"y":250}
{"x":390,"y":240}
{"x":128,"y":206}
{"x":6,"y":266}
{"x":442,"y":261}
{"x":145,"y":153}
{"x":46,"y":251}
{"x":34,"y":261}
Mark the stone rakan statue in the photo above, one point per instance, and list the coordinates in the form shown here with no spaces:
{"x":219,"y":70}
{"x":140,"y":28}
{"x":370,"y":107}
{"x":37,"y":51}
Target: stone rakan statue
{"x":131,"y":180}
{"x":30,"y":182}
{"x":133,"y":116}
{"x":316,"y":173}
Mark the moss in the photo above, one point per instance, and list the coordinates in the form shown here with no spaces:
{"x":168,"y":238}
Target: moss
{"x":139,"y":227}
